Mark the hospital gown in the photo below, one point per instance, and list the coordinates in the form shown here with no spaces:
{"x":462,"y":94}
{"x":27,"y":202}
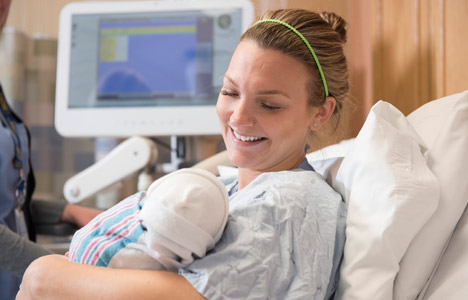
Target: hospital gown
{"x":284,"y":240}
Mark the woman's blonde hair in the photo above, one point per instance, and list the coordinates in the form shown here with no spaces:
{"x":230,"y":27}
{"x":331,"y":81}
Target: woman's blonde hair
{"x":325,"y":32}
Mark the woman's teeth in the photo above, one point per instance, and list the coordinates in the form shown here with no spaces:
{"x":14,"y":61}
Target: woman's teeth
{"x":246,"y":138}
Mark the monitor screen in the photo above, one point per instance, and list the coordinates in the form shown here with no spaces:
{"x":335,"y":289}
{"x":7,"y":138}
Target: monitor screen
{"x":144,"y":68}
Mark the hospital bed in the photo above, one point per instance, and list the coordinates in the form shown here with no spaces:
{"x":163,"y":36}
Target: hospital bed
{"x":406,"y":186}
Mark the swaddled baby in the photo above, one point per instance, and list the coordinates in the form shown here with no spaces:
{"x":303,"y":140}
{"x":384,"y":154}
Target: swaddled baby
{"x":181,"y":216}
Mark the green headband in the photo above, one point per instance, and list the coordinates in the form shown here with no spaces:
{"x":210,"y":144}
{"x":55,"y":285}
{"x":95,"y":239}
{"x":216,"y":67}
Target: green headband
{"x":319,"y":67}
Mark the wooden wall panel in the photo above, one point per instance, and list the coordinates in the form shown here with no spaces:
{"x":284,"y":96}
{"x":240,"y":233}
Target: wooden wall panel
{"x":432,"y":37}
{"x":360,"y":37}
{"x":455,"y":25}
{"x":340,"y":7}
{"x":397,"y":55}
{"x":419,"y":51}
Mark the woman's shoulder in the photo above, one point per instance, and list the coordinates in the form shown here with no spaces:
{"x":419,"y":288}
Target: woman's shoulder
{"x":294,"y":182}
{"x":296,"y":188}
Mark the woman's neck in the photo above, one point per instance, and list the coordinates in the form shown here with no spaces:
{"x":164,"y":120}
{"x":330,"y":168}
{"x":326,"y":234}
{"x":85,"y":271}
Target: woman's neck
{"x":246,"y":175}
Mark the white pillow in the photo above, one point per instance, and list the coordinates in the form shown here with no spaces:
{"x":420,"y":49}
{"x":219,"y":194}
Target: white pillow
{"x":391,"y":193}
{"x":443,"y":126}
{"x":451,"y":277}
{"x":326,"y":161}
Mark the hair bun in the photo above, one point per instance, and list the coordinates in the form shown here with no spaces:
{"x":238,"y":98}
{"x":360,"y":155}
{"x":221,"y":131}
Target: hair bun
{"x":337,"y":23}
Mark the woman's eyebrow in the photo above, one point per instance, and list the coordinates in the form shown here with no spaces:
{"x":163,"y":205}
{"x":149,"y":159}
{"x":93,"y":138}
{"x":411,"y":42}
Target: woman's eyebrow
{"x":273,"y":92}
{"x":262,"y":92}
{"x":230,"y":80}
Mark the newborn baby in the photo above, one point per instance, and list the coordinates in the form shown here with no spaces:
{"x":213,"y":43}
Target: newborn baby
{"x":181,"y":216}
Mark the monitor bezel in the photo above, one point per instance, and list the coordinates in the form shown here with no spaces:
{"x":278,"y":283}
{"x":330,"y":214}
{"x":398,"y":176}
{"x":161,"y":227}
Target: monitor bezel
{"x":129,"y":121}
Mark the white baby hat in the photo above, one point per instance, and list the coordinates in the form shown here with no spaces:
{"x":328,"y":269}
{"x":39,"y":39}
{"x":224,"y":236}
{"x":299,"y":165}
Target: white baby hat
{"x":189,"y":207}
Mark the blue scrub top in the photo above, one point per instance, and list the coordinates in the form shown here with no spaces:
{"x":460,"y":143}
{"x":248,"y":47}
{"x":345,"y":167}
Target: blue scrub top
{"x":9,"y":284}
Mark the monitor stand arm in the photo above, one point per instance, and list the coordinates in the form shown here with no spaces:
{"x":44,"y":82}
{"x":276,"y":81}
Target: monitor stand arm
{"x":129,"y":157}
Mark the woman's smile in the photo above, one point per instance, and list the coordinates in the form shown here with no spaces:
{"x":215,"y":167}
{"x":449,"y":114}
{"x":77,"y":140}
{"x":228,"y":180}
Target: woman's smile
{"x":248,"y":139}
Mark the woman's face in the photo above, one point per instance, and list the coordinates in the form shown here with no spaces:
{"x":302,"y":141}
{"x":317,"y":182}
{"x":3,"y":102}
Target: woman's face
{"x":263,"y":110}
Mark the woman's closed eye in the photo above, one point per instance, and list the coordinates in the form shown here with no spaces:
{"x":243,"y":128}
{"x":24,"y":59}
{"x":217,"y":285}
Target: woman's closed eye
{"x":270,"y":107}
{"x":263,"y":104}
{"x":228,"y":93}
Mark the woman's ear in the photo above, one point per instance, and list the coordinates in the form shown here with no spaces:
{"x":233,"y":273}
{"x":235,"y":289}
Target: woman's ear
{"x":323,"y":113}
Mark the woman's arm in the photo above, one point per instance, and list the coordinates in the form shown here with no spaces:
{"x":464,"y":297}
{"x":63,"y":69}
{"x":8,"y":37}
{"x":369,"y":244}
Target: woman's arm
{"x":54,"y":277}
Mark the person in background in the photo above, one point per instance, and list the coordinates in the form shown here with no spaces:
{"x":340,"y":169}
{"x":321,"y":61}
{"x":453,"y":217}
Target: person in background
{"x":16,"y":190}
{"x":285,"y":235}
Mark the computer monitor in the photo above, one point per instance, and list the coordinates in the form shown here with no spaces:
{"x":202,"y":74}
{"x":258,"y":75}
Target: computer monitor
{"x":150,"y":68}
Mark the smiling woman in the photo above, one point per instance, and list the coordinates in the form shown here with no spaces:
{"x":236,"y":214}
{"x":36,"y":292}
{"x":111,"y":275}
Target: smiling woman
{"x":285,"y":234}
{"x":265,"y":116}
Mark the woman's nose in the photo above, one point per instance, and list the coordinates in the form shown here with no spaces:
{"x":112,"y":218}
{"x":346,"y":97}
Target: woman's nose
{"x":242,"y":114}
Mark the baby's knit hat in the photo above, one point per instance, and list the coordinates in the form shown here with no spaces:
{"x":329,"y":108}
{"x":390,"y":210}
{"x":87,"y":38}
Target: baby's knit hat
{"x":189,"y":207}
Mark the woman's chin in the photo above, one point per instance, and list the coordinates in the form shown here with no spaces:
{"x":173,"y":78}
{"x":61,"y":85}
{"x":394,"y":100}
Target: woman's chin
{"x":241,"y":161}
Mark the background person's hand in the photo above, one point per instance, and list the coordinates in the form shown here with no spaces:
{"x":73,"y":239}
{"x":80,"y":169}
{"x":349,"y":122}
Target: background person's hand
{"x":78,"y":215}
